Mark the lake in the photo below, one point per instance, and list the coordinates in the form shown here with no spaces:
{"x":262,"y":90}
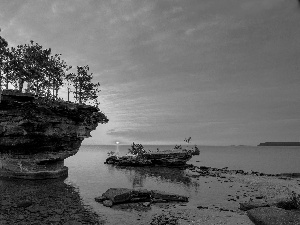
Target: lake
{"x":92,"y":177}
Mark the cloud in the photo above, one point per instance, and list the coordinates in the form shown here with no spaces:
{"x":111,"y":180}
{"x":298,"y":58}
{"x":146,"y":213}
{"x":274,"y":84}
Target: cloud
{"x":220,"y":71}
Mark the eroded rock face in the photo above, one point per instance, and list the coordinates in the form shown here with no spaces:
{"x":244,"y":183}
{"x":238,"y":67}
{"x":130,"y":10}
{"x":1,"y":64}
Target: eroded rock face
{"x":36,"y":136}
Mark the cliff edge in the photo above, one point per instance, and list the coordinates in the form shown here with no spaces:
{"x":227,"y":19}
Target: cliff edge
{"x":36,"y":134}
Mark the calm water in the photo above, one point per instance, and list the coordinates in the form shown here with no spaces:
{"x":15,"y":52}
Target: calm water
{"x":92,"y":177}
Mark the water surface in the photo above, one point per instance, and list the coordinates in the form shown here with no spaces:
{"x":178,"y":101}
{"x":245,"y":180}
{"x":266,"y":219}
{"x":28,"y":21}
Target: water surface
{"x":88,"y":172}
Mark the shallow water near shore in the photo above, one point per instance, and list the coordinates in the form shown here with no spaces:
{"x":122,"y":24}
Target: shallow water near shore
{"x":92,"y":177}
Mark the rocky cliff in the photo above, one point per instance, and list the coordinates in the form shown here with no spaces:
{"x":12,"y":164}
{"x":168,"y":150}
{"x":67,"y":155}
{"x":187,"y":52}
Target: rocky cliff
{"x":37,"y":135}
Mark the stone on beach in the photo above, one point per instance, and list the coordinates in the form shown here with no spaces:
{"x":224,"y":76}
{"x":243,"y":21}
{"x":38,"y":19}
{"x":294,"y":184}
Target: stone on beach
{"x":126,"y":195}
{"x":274,"y":216}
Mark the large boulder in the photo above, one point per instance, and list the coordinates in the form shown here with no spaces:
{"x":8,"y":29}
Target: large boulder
{"x":273,"y":216}
{"x":36,"y":135}
{"x":115,"y":196}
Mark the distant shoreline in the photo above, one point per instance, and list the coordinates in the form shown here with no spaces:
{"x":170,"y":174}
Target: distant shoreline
{"x":280,"y":144}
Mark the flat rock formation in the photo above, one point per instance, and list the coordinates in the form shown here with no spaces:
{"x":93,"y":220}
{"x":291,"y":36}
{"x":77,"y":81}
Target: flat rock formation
{"x":115,"y":196}
{"x":169,"y":158}
{"x":37,"y":135}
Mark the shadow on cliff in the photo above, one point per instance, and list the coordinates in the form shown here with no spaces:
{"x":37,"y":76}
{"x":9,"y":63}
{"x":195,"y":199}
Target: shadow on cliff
{"x":42,"y":202}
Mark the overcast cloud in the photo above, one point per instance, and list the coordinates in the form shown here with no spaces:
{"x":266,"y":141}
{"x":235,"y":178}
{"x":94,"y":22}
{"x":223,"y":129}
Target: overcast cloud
{"x":221,"y":71}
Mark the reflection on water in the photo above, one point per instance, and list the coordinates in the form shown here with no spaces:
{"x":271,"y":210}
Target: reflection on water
{"x":137,"y":175}
{"x":42,"y":202}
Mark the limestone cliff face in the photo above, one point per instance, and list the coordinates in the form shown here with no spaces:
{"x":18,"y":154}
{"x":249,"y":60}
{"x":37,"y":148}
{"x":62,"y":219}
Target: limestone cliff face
{"x":36,"y":136}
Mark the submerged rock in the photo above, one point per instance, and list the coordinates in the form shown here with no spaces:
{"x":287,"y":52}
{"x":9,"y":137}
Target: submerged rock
{"x":37,"y":135}
{"x":125,"y":195}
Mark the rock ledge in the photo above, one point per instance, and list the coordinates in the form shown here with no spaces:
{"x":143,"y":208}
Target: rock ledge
{"x":36,"y":135}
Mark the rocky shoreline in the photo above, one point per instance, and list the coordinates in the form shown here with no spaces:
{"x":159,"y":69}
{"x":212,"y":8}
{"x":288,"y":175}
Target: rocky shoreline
{"x":233,"y":188}
{"x":55,"y":202}
{"x":43,"y":202}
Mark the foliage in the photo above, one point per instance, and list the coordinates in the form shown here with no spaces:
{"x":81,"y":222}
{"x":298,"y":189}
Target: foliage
{"x":178,"y":147}
{"x":45,"y":73}
{"x":3,"y":58}
{"x":111,"y":153}
{"x":187,"y":140}
{"x":85,"y":90}
{"x":137,"y":149}
{"x":42,"y":71}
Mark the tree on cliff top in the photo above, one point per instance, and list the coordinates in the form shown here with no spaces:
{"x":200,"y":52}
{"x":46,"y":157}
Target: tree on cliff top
{"x":85,"y":90}
{"x":44,"y":73}
{"x":3,"y":56}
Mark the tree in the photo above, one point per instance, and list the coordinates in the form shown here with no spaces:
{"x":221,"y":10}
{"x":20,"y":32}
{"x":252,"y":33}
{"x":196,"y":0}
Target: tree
{"x":3,"y":56}
{"x":42,"y":71}
{"x":85,"y":90}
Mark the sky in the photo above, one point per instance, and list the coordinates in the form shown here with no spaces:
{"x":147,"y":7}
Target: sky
{"x":224,"y":72}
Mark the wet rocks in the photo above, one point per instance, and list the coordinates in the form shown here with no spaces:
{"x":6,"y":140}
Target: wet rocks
{"x":125,"y":195}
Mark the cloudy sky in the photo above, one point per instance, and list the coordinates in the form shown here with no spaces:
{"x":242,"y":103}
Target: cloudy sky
{"x":221,"y":71}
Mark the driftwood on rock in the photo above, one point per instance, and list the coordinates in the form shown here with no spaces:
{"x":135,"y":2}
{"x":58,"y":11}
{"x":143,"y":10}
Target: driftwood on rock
{"x":115,"y":196}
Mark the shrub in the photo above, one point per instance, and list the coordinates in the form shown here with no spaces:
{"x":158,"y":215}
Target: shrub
{"x":137,"y":149}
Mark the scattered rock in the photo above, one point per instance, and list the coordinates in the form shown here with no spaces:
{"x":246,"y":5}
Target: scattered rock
{"x":24,"y":204}
{"x":202,"y":207}
{"x":146,"y":204}
{"x":164,"y":219}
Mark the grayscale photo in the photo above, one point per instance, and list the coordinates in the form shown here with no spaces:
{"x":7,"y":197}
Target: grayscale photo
{"x":150,"y":112}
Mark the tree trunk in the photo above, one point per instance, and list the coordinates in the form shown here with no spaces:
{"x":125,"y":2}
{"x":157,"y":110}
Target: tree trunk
{"x":76,"y":93}
{"x":56,"y":94}
{"x":37,"y":88}
{"x":80,"y":95}
{"x":7,"y":81}
{"x":21,"y":83}
{"x":0,"y":85}
{"x":53,"y":87}
{"x":28,"y":86}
